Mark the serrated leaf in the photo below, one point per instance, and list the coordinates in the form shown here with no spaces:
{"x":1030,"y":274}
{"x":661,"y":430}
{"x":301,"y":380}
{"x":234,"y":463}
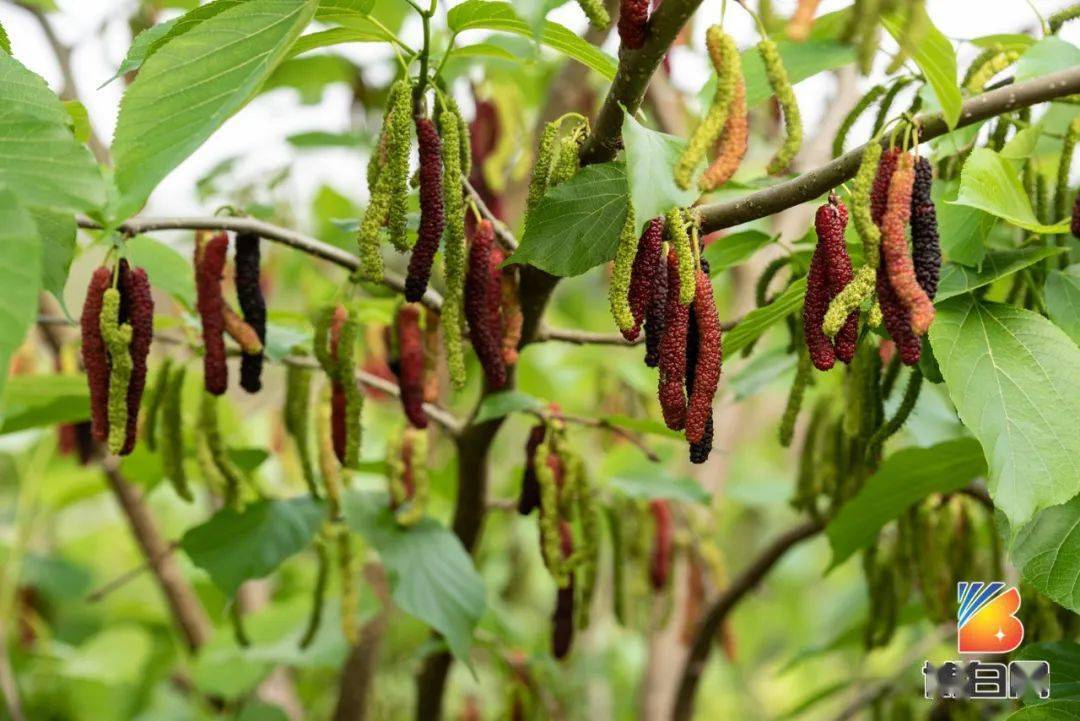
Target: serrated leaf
{"x":1052,"y":710}
{"x":432,"y":576}
{"x":904,"y":478}
{"x":497,"y":405}
{"x":959,"y":279}
{"x":1047,"y":553}
{"x":34,"y":401}
{"x":989,"y":182}
{"x":40,"y":160}
{"x":501,"y":16}
{"x":20,"y":278}
{"x":1064,"y":660}
{"x":730,"y":250}
{"x":650,"y":160}
{"x":5,"y":42}
{"x":576,"y":225}
{"x":191,"y":85}
{"x":935,"y":56}
{"x":1062,"y":292}
{"x":237,"y":546}
{"x":1047,"y":56}
{"x":963,"y":230}
{"x":360,"y":30}
{"x":57,"y":233}
{"x":1012,"y":376}
{"x":759,"y":320}
{"x":165,"y":267}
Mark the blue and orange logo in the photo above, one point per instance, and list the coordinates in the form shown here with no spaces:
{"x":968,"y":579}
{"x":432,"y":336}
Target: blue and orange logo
{"x":986,"y":619}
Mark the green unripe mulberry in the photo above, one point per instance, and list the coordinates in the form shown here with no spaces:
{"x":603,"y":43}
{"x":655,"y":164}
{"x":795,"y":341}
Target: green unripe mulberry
{"x":454,"y":252}
{"x":680,"y":241}
{"x":785,"y":96}
{"x":117,"y":337}
{"x":721,"y":48}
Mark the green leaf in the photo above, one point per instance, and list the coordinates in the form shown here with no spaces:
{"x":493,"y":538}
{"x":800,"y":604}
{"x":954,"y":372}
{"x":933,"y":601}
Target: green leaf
{"x":1062,"y":291}
{"x":989,"y":182}
{"x":20,"y":277}
{"x":117,"y":655}
{"x":1052,"y":710}
{"x":247,"y":460}
{"x":34,"y":401}
{"x":40,"y":160}
{"x":1012,"y":376}
{"x":730,"y":250}
{"x":482,"y":50}
{"x":1047,"y":553}
{"x":1009,"y":41}
{"x":1047,"y":56}
{"x":1064,"y":660}
{"x":166,"y":268}
{"x":57,"y":233}
{"x":5,"y":42}
{"x":650,"y":159}
{"x":959,"y":279}
{"x":237,"y":546}
{"x":338,"y":10}
{"x":903,"y":479}
{"x":78,"y":120}
{"x":324,"y":139}
{"x":371,"y":33}
{"x":935,"y":56}
{"x":576,"y":225}
{"x":497,"y":405}
{"x":646,"y":485}
{"x":963,"y":230}
{"x":761,"y":319}
{"x":1022,"y":145}
{"x":432,"y":576}
{"x":501,"y":16}
{"x":193,"y":84}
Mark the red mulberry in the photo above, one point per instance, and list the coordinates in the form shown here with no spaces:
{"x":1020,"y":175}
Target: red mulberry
{"x":831,"y":236}
{"x":663,"y":542}
{"x":656,"y":314}
{"x":252,"y":305}
{"x":821,"y":350}
{"x":432,"y":219}
{"x":338,"y":399}
{"x":895,"y":316}
{"x":673,"y":351}
{"x":209,"y":267}
{"x":530,"y":486}
{"x":699,"y":452}
{"x":708,"y":360}
{"x":94,"y":356}
{"x":482,"y":306}
{"x":925,"y":243}
{"x":879,"y":192}
{"x":643,"y":275}
{"x":633,"y":23}
{"x":140,"y":304}
{"x":411,"y":364}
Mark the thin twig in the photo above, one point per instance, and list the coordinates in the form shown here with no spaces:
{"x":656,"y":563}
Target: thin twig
{"x":603,"y":425}
{"x":128,"y":576}
{"x":502,"y":233}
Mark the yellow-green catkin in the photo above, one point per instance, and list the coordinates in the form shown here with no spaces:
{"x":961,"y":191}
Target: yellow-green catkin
{"x":328,"y":464}
{"x":619,"y":290}
{"x":318,"y":592}
{"x":913,"y":31}
{"x":868,"y":99}
{"x":541,"y":174}
{"x":212,"y":454}
{"x":1058,"y":19}
{"x":986,"y":66}
{"x":849,"y":299}
{"x":117,"y":337}
{"x":568,"y":160}
{"x":297,"y":416}
{"x":1061,"y":192}
{"x":153,"y":405}
{"x":549,"y":511}
{"x":354,"y":398}
{"x":454,"y":252}
{"x":415,"y":444}
{"x":721,"y":48}
{"x":680,"y":241}
{"x":868,"y":34}
{"x":795,"y":397}
{"x":590,"y":540}
{"x":596,"y":12}
{"x":785,"y":96}
{"x":321,"y":339}
{"x":907,"y":404}
{"x":350,"y":591}
{"x":172,"y":433}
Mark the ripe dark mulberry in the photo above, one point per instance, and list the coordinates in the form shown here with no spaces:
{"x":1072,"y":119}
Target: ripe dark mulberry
{"x":209,"y":267}
{"x":633,"y":22}
{"x":140,"y":304}
{"x":707,"y":362}
{"x":1076,"y":217}
{"x":895,"y":316}
{"x":699,"y":452}
{"x":432,"y":218}
{"x":94,"y":356}
{"x":830,"y":230}
{"x":663,"y":542}
{"x":411,"y":364}
{"x":879,"y":192}
{"x":530,"y":486}
{"x":673,"y":351}
{"x":925,"y":243}
{"x":821,"y":350}
{"x":643,"y":276}
{"x":482,"y":306}
{"x":656,"y":314}
{"x":894,"y":247}
{"x":252,"y":305}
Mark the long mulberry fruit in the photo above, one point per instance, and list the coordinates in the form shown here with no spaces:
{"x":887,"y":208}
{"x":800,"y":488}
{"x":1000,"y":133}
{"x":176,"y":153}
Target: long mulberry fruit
{"x":529,"y":498}
{"x":252,"y":305}
{"x":829,"y":222}
{"x":673,"y":352}
{"x":821,"y":350}
{"x":925,"y":243}
{"x":896,"y":319}
{"x":411,"y":364}
{"x":733,"y":141}
{"x":894,"y":248}
{"x":785,"y":96}
{"x":117,"y":337}
{"x":140,"y":303}
{"x":432,"y":219}
{"x":707,"y":369}
{"x":633,"y":23}
{"x":656,"y":313}
{"x":482,"y":306}
{"x":454,"y":252}
{"x":94,"y":355}
{"x":209,"y":267}
{"x":647,"y":263}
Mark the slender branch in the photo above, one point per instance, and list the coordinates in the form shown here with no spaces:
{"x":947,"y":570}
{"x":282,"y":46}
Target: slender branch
{"x":127,"y":577}
{"x":269,"y":231}
{"x":603,"y":425}
{"x":443,"y":417}
{"x":745,"y":582}
{"x":590,"y":337}
{"x":502,"y":233}
{"x":814,"y":183}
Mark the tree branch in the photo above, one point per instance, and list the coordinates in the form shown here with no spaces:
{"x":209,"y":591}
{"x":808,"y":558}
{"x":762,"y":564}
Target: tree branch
{"x":269,"y":231}
{"x":746,"y":581}
{"x":815,"y":183}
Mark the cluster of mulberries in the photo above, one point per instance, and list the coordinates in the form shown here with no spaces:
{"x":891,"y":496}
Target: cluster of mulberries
{"x":410,"y":370}
{"x":482,"y":301}
{"x":210,"y":253}
{"x":249,"y":293}
{"x":894,"y":247}
{"x":660,"y":558}
{"x":139,"y":302}
{"x":596,"y":12}
{"x":633,"y":23}
{"x":432,"y":219}
{"x":925,"y":243}
{"x":513,"y":320}
{"x":830,"y":271}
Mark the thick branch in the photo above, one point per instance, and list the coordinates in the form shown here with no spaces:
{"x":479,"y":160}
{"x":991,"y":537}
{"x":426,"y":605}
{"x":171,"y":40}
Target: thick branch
{"x":269,"y":231}
{"x":746,"y":581}
{"x":815,"y":183}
